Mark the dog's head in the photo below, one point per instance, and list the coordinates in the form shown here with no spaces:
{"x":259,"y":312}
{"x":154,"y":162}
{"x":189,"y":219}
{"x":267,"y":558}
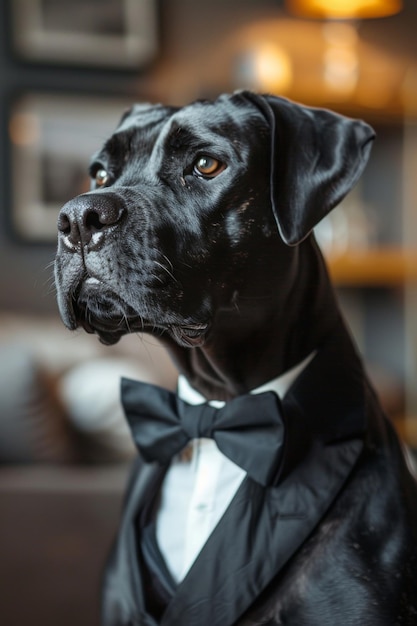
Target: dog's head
{"x":193,"y":209}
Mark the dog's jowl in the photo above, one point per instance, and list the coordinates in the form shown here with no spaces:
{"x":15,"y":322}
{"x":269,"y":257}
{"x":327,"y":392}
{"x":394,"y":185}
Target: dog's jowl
{"x":294,"y":504}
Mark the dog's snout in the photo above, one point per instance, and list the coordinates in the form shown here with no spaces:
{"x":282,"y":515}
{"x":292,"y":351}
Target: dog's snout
{"x":85,"y":220}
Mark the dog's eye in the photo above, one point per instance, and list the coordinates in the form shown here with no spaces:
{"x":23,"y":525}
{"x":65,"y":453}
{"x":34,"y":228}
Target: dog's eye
{"x":208,"y":167}
{"x":101,"y":177}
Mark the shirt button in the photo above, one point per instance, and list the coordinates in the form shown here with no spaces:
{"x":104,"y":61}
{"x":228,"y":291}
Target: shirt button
{"x":201,"y":507}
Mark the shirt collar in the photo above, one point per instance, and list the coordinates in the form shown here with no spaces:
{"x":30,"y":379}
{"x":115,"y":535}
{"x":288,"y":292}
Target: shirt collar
{"x":279,"y":385}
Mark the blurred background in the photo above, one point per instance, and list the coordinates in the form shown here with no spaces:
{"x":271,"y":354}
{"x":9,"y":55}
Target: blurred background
{"x":67,"y":72}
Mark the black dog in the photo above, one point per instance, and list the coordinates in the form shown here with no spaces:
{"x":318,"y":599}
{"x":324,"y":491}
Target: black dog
{"x":198,"y":230}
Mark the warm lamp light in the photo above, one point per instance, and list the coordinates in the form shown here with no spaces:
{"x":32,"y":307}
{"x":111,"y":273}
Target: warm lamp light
{"x":266,"y":67}
{"x":272,"y":68}
{"x":344,"y":9}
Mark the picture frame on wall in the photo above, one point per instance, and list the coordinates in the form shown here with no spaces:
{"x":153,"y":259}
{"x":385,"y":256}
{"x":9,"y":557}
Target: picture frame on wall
{"x":52,"y":139}
{"x":96,"y":33}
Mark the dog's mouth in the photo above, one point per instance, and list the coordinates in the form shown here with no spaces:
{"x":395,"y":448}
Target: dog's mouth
{"x":189,"y":335}
{"x":109,"y":317}
{"x":110,"y":330}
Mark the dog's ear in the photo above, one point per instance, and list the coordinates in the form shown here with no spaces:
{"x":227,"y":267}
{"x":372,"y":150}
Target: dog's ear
{"x":317,"y":156}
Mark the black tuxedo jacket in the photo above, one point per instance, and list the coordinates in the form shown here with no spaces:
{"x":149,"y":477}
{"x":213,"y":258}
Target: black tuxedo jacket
{"x":334,"y":540}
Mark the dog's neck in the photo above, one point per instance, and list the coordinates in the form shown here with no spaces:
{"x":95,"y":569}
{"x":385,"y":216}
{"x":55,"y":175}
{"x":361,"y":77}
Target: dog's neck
{"x":248,"y":348}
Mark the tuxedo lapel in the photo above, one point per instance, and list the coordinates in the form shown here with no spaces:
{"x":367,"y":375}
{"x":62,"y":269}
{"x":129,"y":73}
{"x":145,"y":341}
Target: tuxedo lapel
{"x":123,"y":596}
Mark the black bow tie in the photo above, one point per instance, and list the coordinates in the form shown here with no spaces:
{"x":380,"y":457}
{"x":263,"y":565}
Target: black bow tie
{"x":249,"y":429}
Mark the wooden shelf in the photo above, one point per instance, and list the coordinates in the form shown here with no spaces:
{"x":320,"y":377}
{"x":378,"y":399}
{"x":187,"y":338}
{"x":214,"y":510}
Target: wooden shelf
{"x":373,"y":267}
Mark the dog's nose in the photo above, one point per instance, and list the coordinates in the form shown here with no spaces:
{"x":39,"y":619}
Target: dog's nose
{"x":85,"y":219}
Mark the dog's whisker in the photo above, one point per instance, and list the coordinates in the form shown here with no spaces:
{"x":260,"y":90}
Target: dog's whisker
{"x":51,"y":290}
{"x":170,"y":274}
{"x":186,"y":264}
{"x":148,"y":351}
{"x":49,"y":265}
{"x":126,"y":321}
{"x":50,"y":280}
{"x":159,"y":279}
{"x":168,"y":261}
{"x":236,"y":305}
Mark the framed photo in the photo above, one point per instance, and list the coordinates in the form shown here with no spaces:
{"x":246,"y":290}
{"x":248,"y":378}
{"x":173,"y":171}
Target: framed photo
{"x":52,"y":139}
{"x":107,"y":33}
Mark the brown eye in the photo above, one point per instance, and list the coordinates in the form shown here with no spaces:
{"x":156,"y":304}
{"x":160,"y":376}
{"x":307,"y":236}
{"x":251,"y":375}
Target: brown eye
{"x":208,"y":166}
{"x":101,"y":177}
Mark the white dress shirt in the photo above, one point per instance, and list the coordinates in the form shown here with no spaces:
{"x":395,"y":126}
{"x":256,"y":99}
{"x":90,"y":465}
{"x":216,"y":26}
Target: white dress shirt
{"x":196,"y":493}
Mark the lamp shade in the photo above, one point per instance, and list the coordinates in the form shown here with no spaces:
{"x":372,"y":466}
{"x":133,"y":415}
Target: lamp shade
{"x":344,"y":9}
